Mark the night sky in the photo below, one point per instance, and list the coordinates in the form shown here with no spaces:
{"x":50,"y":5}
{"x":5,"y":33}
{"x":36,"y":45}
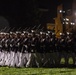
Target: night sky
{"x":26,"y":13}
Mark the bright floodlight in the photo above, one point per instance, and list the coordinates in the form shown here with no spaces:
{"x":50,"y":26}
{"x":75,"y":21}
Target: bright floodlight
{"x":60,"y":33}
{"x":73,"y":23}
{"x":67,"y":23}
{"x":67,"y":19}
{"x":64,"y":19}
{"x":63,"y":11}
{"x":68,"y":33}
{"x":63,"y":23}
{"x":60,"y":11}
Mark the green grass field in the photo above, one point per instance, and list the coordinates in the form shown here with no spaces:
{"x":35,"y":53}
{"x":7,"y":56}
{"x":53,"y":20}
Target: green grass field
{"x":37,"y":71}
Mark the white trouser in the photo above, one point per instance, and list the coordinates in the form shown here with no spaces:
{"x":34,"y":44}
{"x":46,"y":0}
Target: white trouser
{"x":17,"y":58}
{"x":28,"y":57}
{"x":2,"y":62}
{"x":12,"y":59}
{"x":8,"y":59}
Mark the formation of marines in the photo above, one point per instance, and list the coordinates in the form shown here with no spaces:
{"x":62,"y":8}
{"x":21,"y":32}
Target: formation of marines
{"x":16,"y":48}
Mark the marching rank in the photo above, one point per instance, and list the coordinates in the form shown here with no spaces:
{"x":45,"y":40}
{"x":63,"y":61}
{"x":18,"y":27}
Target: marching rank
{"x":16,"y":48}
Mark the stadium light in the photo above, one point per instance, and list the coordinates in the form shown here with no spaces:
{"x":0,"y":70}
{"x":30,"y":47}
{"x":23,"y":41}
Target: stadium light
{"x":68,"y":33}
{"x":63,"y":11}
{"x":67,"y":23}
{"x":60,"y":11}
{"x":63,"y":22}
{"x":72,"y":23}
{"x":67,"y":19}
{"x":60,"y":33}
{"x":64,"y":19}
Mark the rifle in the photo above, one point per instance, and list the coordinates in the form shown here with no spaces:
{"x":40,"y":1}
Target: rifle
{"x":28,"y":29}
{"x":42,"y":28}
{"x":19,"y":29}
{"x":38,"y":27}
{"x":25,"y":29}
{"x":8,"y":29}
{"x":34,"y":27}
{"x":12,"y":29}
{"x":4,"y":29}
